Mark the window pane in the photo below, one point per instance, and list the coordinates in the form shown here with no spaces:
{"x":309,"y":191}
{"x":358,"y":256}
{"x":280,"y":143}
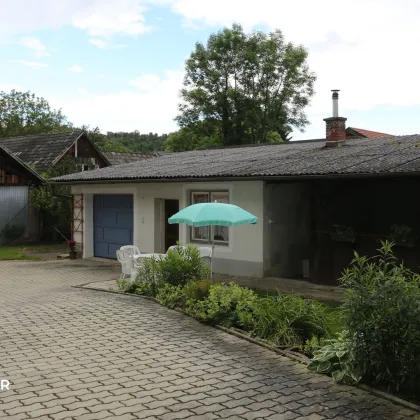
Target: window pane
{"x":202,"y":232}
{"x":221,"y":233}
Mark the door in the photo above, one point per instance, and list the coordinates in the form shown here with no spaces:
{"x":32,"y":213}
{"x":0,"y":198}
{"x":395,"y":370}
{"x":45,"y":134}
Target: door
{"x":113,"y":224}
{"x":171,"y":231}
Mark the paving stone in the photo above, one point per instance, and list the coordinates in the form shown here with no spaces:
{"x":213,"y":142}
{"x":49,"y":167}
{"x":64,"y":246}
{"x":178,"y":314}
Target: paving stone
{"x":78,"y":354}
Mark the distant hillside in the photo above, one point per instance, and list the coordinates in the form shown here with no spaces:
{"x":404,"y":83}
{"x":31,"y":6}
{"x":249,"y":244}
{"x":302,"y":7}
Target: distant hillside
{"x":128,"y":142}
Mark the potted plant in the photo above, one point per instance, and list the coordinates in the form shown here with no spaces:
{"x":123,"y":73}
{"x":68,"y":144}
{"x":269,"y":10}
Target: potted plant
{"x":72,"y":249}
{"x":343,"y":234}
{"x":402,"y":235}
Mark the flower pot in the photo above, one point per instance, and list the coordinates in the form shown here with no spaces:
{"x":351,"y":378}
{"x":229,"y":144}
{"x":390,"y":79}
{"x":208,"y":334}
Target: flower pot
{"x":73,"y":255}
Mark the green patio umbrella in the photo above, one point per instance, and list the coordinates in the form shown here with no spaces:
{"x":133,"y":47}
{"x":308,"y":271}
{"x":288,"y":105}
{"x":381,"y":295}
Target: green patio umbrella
{"x":213,"y":214}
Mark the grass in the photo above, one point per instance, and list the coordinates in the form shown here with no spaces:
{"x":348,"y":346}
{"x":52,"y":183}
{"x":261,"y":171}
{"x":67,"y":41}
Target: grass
{"x":18,"y":252}
{"x":334,"y":309}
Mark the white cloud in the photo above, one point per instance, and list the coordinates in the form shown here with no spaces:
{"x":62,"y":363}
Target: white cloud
{"x":39,"y":49}
{"x":147,"y":109}
{"x":368,"y":52}
{"x":33,"y":64}
{"x":122,"y":17}
{"x":100,"y":76}
{"x":100,"y":43}
{"x":147,"y":82}
{"x":7,"y":87}
{"x":75,"y":69}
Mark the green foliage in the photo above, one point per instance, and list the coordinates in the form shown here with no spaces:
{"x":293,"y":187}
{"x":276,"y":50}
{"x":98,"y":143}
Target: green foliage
{"x":123,"y":285}
{"x":197,"y":290}
{"x":285,"y":320}
{"x":402,"y":235}
{"x":222,"y":305}
{"x":53,"y":202}
{"x":130,"y":142}
{"x":181,"y":266}
{"x":23,"y":113}
{"x":337,"y":359}
{"x":249,"y":85}
{"x":12,"y":233}
{"x":382,"y":310}
{"x":148,"y":277}
{"x":311,"y":346}
{"x":197,"y":136}
{"x":171,"y":296}
{"x":274,"y":137}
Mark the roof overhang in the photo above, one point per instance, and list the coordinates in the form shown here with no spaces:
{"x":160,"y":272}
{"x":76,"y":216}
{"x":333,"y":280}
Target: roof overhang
{"x":283,"y":178}
{"x":19,"y":162}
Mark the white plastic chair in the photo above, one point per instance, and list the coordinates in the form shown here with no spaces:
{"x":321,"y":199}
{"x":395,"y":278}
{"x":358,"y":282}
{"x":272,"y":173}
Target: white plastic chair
{"x":175,"y":247}
{"x":206,"y":253}
{"x":129,"y":267}
{"x":131,"y":248}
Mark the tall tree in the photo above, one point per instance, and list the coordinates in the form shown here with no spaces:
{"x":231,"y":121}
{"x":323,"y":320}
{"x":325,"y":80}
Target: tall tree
{"x":197,"y":136}
{"x":251,"y":84}
{"x":23,"y":113}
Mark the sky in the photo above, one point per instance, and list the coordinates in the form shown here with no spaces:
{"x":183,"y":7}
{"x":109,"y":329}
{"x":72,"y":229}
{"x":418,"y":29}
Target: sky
{"x":119,"y":64}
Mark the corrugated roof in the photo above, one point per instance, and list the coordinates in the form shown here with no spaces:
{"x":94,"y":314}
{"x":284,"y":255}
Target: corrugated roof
{"x":358,"y":156}
{"x":119,"y":158}
{"x":43,"y":149}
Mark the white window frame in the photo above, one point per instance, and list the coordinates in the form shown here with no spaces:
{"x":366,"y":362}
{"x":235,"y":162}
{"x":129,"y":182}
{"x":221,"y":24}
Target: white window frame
{"x":210,"y":194}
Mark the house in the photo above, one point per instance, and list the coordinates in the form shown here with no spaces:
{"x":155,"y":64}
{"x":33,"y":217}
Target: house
{"x":42,"y":152}
{"x":303,"y":193}
{"x":118,"y":158}
{"x":15,"y":178}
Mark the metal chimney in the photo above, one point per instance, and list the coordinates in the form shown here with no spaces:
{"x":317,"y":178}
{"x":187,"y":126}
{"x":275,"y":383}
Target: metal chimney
{"x":335,"y":101}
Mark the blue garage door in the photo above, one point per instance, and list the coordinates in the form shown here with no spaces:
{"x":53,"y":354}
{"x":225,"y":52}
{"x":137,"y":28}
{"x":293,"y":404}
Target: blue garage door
{"x":113,"y":223}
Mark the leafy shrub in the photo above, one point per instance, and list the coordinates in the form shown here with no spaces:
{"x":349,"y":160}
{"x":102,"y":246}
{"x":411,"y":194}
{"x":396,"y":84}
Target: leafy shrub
{"x":171,"y":296}
{"x":221,"y":305}
{"x":122,"y":285}
{"x":12,"y":233}
{"x":143,"y":288}
{"x":148,"y":278}
{"x":197,"y":290}
{"x":382,"y":310}
{"x":337,"y":359}
{"x":311,"y":346}
{"x":181,"y":266}
{"x":286,"y":319}
{"x":402,"y":234}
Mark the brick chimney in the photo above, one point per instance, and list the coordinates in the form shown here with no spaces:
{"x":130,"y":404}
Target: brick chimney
{"x":335,"y":125}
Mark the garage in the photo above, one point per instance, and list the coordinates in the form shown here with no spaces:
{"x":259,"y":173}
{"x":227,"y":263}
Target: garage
{"x":113,"y":224}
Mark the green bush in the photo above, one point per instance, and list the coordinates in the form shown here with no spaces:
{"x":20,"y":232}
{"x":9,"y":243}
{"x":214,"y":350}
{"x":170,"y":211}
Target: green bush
{"x":148,"y":278}
{"x":337,"y":359}
{"x":221,"y":305}
{"x":197,"y":290}
{"x":171,"y":296}
{"x":382,"y":310}
{"x":285,"y":320}
{"x":180,"y":266}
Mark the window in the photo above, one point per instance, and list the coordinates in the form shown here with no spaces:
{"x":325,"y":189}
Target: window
{"x":202,"y":233}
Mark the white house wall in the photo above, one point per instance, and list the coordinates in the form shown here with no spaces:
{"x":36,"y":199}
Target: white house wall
{"x":243,"y":256}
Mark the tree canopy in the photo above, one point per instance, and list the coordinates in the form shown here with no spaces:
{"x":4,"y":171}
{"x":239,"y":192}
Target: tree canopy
{"x":23,"y":113}
{"x":252,"y":85}
{"x":197,"y":136}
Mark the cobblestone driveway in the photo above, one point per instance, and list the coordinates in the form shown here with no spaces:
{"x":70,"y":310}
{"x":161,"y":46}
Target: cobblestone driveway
{"x":80,"y":354}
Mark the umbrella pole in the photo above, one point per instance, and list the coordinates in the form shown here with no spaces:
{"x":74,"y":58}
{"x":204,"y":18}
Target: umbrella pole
{"x":212,"y":251}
